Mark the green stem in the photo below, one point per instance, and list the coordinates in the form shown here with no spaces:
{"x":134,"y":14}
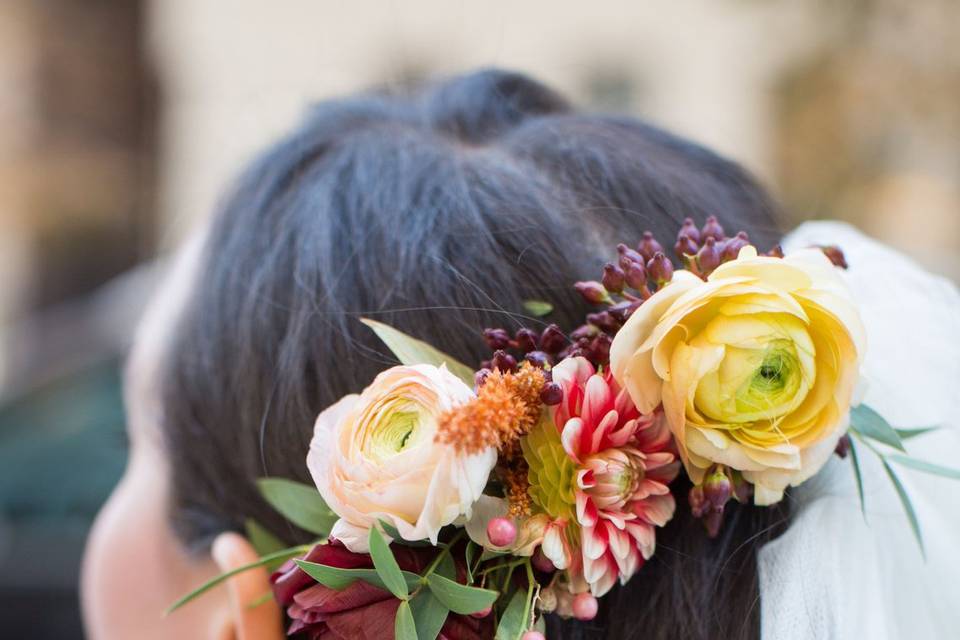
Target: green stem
{"x":436,"y":561}
{"x":530,"y":585}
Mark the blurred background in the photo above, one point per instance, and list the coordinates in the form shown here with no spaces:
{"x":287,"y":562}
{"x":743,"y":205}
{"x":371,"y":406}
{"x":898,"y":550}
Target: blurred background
{"x":122,"y":120}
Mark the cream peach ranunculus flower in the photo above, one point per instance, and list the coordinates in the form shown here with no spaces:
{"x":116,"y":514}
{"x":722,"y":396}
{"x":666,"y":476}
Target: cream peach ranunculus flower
{"x":374,"y":457}
{"x":755,"y":367}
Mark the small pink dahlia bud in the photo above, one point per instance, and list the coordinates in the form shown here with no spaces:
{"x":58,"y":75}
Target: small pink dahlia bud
{"x":628,"y":255}
{"x":551,"y":394}
{"x":660,"y":268}
{"x":483,"y":613}
{"x":504,"y":362}
{"x":527,"y":340}
{"x":690,"y":230}
{"x":533,"y":635}
{"x":496,"y":338}
{"x":502,"y":532}
{"x":613,"y":278}
{"x":731,"y":248}
{"x":649,"y":246}
{"x":685,"y":246}
{"x":708,"y":258}
{"x":592,"y":291}
{"x":552,"y":340}
{"x":712,"y":229}
{"x":717,"y":489}
{"x":585,"y":606}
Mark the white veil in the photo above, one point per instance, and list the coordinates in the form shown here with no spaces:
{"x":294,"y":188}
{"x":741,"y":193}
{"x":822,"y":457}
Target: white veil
{"x":833,"y":575}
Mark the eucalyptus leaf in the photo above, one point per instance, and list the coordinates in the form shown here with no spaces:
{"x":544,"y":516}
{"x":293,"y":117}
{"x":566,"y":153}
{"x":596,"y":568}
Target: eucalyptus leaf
{"x":906,"y":434}
{"x":299,"y":503}
{"x":513,"y":621}
{"x":284,"y":554}
{"x":410,"y":351}
{"x":926,"y":467}
{"x":261,"y":539}
{"x":907,"y":505}
{"x":538,"y":308}
{"x":871,"y":424}
{"x":429,"y":614}
{"x":339,"y":579}
{"x":460,"y":598}
{"x":386,"y":565}
{"x":855,"y":460}
{"x":404,"y":628}
{"x":447,"y":567}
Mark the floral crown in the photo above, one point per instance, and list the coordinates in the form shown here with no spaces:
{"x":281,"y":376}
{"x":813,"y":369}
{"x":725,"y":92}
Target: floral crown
{"x":457,"y":503}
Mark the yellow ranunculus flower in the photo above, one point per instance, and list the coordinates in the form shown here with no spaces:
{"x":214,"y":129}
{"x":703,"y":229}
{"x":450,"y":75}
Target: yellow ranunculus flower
{"x":755,"y":367}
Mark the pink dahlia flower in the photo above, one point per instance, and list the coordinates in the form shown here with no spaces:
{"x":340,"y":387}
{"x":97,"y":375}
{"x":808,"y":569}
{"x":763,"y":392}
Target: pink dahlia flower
{"x":623,"y":463}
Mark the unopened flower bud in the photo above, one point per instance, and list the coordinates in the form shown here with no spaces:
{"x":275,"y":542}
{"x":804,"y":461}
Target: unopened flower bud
{"x":836,"y":255}
{"x":660,"y":269}
{"x":483,"y":613}
{"x":527,"y":340}
{"x":708,"y":258}
{"x":689,"y":229}
{"x":547,"y":602}
{"x":481,"y":376}
{"x":685,"y":246}
{"x":712,"y":229}
{"x":585,"y":606}
{"x":628,"y":255}
{"x":843,"y":446}
{"x":636,"y":276}
{"x":731,"y":248}
{"x":698,"y":503}
{"x":622,"y":311}
{"x":542,"y":563}
{"x":551,"y":394}
{"x":552,"y":339}
{"x":649,"y":247}
{"x":592,"y":291}
{"x":504,"y":362}
{"x":604,"y":320}
{"x":712,"y":520}
{"x":776,"y":252}
{"x":496,"y":338}
{"x":613,"y":278}
{"x":742,"y":490}
{"x":538,"y":359}
{"x":501,"y":532}
{"x":584,"y":332}
{"x":717,"y":489}
{"x":600,"y":349}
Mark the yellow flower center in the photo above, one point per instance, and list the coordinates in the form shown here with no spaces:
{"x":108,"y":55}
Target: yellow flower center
{"x":401,"y":428}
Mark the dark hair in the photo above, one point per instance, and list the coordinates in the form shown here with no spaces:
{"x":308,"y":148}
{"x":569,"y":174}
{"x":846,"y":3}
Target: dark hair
{"x":439,"y":212}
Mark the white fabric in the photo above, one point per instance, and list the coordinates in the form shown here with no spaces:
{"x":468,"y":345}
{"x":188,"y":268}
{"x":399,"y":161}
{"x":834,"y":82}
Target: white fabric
{"x":831,"y":574}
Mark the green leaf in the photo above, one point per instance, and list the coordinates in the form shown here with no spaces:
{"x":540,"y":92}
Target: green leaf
{"x":469,"y":556}
{"x":261,"y":539}
{"x":299,"y":503}
{"x":429,"y":614}
{"x":284,"y":554}
{"x":339,"y":579}
{"x":404,"y":628}
{"x":926,"y":467}
{"x":386,"y":565}
{"x":447,"y":567}
{"x":855,"y":459}
{"x":460,"y":598}
{"x":411,"y":351}
{"x":538,"y":308}
{"x":490,"y":554}
{"x":906,"y":434}
{"x":871,"y":424}
{"x":513,"y":622}
{"x":907,"y":505}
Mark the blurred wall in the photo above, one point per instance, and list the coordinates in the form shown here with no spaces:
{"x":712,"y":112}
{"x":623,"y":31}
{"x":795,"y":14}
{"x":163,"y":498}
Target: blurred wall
{"x":845,"y":109}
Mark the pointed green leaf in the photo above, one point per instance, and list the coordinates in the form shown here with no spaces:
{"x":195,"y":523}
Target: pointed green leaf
{"x":261,"y":539}
{"x":429,"y":614}
{"x":907,"y":505}
{"x":460,"y":598}
{"x":386,"y":565}
{"x":538,"y":308}
{"x":906,"y":434}
{"x":513,"y":622}
{"x":447,"y":567}
{"x":339,"y":579}
{"x":855,"y":460}
{"x":411,"y":351}
{"x":926,"y":467}
{"x":284,"y":554}
{"x":404,"y":627}
{"x":299,"y":503}
{"x":871,"y":424}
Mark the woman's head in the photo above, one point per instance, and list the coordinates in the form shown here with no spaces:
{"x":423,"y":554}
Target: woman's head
{"x":438,"y":212}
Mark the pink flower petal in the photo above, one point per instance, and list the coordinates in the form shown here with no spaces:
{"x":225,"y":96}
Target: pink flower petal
{"x":586,"y":510}
{"x":594,"y":540}
{"x":597,"y":401}
{"x":657,"y":510}
{"x":570,"y":437}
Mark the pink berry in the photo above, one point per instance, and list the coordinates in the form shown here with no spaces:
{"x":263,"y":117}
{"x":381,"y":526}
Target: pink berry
{"x":541,"y":562}
{"x":533,"y":635}
{"x":584,"y":607}
{"x":483,"y":613}
{"x":502,"y":532}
